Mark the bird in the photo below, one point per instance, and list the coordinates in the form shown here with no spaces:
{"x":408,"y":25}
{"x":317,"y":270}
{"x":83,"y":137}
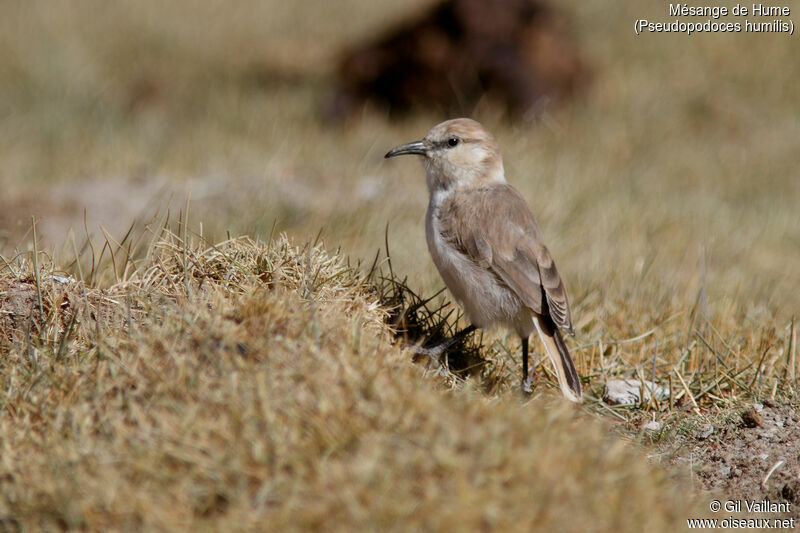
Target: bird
{"x":488,"y":248}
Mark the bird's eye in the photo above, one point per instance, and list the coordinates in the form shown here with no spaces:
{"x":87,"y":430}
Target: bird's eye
{"x":452,"y":141}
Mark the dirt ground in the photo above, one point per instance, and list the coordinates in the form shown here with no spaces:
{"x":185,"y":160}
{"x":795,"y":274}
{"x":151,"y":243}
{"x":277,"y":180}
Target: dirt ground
{"x":755,"y":455}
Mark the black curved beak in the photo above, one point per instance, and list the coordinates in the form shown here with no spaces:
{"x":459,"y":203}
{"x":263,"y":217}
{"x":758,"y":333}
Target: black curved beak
{"x":417,"y":148}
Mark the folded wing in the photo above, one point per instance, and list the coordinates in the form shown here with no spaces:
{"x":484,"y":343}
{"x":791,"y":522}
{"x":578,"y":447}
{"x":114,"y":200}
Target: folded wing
{"x":510,"y":244}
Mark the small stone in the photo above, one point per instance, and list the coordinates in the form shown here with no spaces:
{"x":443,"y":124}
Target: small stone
{"x":62,"y":279}
{"x":629,"y":391}
{"x":653,"y":426}
{"x":751,"y":418}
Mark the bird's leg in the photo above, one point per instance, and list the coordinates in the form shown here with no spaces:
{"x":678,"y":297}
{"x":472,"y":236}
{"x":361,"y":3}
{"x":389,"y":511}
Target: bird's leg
{"x":438,"y":349}
{"x":526,"y":378}
{"x":435,"y":351}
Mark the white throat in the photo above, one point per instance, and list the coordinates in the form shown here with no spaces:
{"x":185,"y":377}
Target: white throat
{"x":440,"y":191}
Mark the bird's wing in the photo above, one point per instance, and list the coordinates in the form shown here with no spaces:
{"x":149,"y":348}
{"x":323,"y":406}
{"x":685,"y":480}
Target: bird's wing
{"x":500,"y":233}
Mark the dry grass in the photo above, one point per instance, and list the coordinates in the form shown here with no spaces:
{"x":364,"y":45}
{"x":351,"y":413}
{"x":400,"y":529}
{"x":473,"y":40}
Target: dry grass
{"x":248,"y":385}
{"x":668,"y":196}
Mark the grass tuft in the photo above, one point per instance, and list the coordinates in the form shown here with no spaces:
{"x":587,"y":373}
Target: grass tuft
{"x":243,"y":383}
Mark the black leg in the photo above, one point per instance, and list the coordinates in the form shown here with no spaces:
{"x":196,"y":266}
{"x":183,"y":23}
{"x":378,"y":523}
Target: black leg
{"x":438,"y":349}
{"x":526,"y":378}
{"x":524,"y":358}
{"x":466,"y":331}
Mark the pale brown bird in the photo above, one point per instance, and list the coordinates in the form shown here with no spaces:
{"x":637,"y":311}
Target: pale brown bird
{"x":487,"y":246}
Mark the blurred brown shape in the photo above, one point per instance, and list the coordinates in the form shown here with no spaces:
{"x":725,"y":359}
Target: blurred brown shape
{"x":513,"y":51}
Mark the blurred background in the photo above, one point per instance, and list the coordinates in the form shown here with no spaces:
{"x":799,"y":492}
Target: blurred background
{"x":657,"y":165}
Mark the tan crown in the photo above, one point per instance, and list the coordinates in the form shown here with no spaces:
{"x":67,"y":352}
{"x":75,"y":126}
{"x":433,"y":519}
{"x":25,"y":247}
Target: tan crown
{"x":474,"y":159}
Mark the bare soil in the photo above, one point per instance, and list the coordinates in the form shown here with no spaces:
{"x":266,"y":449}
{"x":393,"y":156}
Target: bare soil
{"x":754,"y":456}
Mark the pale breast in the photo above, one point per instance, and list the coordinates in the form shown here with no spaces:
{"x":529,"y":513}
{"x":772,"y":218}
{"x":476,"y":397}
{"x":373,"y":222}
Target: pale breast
{"x":485,"y":299}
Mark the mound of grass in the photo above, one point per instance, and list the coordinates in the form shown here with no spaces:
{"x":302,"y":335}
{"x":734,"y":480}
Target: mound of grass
{"x":251,"y":385}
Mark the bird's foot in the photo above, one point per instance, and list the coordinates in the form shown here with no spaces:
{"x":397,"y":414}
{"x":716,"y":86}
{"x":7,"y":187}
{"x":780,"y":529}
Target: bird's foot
{"x":438,"y":349}
{"x":526,"y":385}
{"x":433,"y":352}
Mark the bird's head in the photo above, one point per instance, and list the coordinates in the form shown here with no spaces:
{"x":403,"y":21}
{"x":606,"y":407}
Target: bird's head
{"x":456,"y":153}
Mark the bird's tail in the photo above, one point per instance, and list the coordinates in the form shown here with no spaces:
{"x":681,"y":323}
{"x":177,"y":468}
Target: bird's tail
{"x":568,"y":377}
